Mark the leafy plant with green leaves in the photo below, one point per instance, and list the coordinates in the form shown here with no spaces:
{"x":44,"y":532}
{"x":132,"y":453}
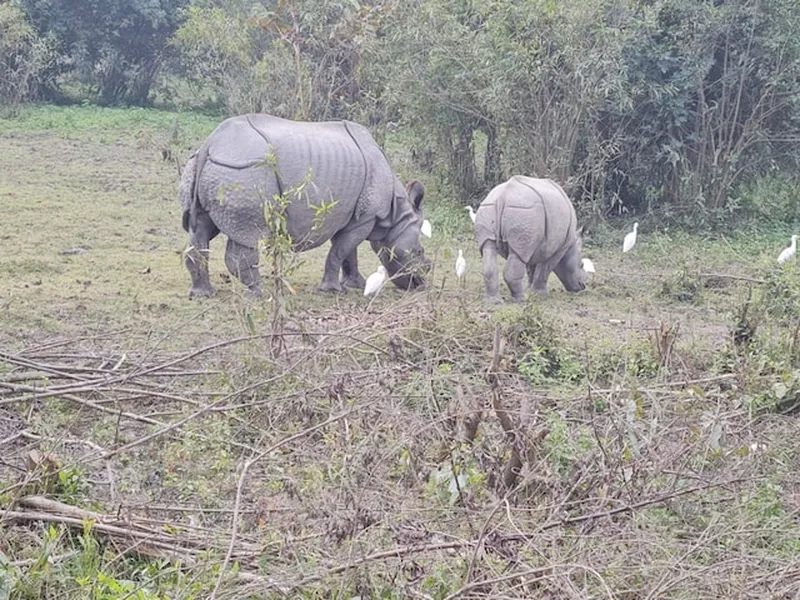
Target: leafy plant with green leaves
{"x":544,"y":357}
{"x":279,"y":248}
{"x":27,"y":59}
{"x":298,"y":59}
{"x":683,"y":285}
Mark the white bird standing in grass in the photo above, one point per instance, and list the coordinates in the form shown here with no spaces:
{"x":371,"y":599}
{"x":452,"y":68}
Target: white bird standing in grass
{"x":471,"y":213}
{"x":587,"y":265}
{"x":375,"y":281}
{"x":788,"y":252}
{"x":630,"y":239}
{"x":461,"y":267}
{"x":426,"y":228}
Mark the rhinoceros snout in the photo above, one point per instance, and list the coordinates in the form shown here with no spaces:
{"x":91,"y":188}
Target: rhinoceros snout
{"x":412,"y":276}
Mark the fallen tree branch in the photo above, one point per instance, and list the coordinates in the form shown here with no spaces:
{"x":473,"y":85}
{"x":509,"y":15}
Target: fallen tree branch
{"x":77,"y":400}
{"x":734,"y":277}
{"x":401,"y":552}
{"x":112,"y":530}
{"x":616,"y":511}
{"x":197,"y":414}
{"x":152,"y":541}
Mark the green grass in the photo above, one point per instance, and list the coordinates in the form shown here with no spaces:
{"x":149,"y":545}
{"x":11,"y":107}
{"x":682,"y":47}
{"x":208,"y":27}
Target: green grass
{"x":105,"y":124}
{"x":628,"y":392}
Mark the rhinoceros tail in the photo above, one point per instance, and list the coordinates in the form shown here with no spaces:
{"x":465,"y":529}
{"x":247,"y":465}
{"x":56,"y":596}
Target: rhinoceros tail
{"x":189,"y":192}
{"x":186,"y":191}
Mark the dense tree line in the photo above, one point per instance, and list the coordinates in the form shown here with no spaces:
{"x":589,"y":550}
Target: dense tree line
{"x":661,"y":104}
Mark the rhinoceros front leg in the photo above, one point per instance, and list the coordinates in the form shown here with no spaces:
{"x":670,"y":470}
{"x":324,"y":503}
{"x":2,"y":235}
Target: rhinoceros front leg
{"x":344,"y":246}
{"x":490,"y":274}
{"x":242,"y":262}
{"x":196,"y":256}
{"x":514,"y":273}
{"x":352,"y":279}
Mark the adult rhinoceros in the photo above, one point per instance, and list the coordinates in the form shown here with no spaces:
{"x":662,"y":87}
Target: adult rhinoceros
{"x":336,"y":185}
{"x":532,"y":224}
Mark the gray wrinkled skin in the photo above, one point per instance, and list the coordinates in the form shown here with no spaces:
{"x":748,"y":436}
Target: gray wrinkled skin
{"x":250,"y":159}
{"x":532,"y":224}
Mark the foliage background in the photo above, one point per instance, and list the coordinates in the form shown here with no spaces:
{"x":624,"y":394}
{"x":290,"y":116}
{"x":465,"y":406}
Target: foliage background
{"x":679,"y":107}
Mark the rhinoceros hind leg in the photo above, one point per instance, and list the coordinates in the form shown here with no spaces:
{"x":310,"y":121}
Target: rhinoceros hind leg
{"x":514,"y":274}
{"x":243,"y":263}
{"x":531,"y":274}
{"x":490,"y":275}
{"x":196,"y":256}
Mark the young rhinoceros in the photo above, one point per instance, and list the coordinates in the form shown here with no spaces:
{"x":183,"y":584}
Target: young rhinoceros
{"x":532,"y":224}
{"x":337,"y":185}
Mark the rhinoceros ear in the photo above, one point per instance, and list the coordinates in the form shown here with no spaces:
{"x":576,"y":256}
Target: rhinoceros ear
{"x":580,"y":231}
{"x":415,"y":192}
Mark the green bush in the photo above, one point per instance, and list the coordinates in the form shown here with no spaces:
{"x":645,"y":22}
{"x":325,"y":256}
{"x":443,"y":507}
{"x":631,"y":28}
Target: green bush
{"x":543,"y":355}
{"x":25,"y":57}
{"x":773,"y":198}
{"x":115,"y":47}
{"x":682,"y":285}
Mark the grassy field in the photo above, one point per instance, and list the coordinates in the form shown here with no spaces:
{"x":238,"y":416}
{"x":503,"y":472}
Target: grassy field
{"x":638,"y":440}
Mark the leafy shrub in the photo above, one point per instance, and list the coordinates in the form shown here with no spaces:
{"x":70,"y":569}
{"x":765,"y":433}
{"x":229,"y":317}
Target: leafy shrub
{"x":771,"y":198}
{"x":780,"y":296}
{"x":115,"y":46}
{"x":636,"y":358}
{"x":544,"y":356}
{"x":682,"y":286}
{"x":24,"y":57}
{"x":566,"y":444}
{"x":300,"y":60}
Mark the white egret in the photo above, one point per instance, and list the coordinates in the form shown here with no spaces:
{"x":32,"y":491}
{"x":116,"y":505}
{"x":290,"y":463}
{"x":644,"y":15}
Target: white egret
{"x":630,"y":239}
{"x":461,"y":267}
{"x":375,"y":281}
{"x":471,"y":213}
{"x":587,"y":265}
{"x":426,"y":228}
{"x":788,"y":252}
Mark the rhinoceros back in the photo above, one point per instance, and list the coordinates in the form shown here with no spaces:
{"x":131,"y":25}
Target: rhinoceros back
{"x":533,"y":217}
{"x":253,"y":158}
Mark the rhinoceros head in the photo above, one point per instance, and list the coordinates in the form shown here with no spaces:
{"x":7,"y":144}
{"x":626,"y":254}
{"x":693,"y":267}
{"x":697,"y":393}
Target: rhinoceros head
{"x":398,"y":238}
{"x":569,"y":269}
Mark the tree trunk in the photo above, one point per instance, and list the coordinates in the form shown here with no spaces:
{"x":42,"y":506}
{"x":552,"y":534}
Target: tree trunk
{"x":128,"y":84}
{"x":462,"y":162}
{"x":491,"y":169}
